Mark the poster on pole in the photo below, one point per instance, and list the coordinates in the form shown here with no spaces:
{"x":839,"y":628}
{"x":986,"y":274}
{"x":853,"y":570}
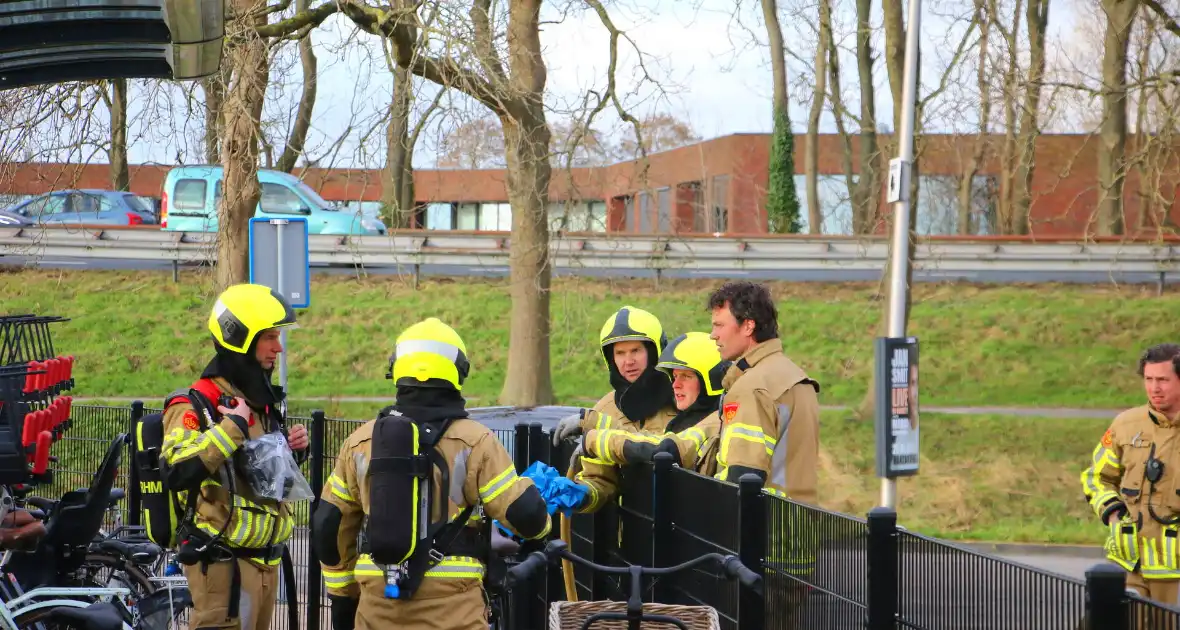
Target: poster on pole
{"x":279,"y":258}
{"x":896,"y":373}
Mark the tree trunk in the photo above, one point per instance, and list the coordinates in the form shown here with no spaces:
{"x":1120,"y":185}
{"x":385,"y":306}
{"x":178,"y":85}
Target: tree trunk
{"x":815,"y":217}
{"x":240,"y":145}
{"x":867,"y":196}
{"x":1008,"y":163}
{"x":1037,"y":20}
{"x":120,"y":175}
{"x":1149,"y":163}
{"x":526,"y":148}
{"x":968,"y":224}
{"x":782,"y":204}
{"x":838,"y":114}
{"x":214,"y":88}
{"x":1112,"y":171}
{"x":296,"y":143}
{"x":399,"y":174}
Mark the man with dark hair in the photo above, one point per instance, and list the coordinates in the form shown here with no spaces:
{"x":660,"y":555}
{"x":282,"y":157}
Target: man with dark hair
{"x":770,"y":410}
{"x":1131,"y":483}
{"x":770,"y":427}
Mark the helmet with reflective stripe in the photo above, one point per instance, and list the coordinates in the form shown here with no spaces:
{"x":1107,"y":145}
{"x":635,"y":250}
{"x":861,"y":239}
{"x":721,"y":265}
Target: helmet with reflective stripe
{"x":429,"y":351}
{"x":244,"y":310}
{"x":631,"y":324}
{"x":697,"y":352}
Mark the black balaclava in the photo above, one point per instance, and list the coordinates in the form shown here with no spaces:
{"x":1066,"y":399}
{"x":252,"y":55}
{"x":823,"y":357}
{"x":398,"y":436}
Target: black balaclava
{"x":429,"y":402}
{"x":651,"y":392}
{"x":245,"y":373}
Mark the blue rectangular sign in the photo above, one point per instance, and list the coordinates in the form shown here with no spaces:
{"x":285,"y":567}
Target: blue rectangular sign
{"x":280,"y":258}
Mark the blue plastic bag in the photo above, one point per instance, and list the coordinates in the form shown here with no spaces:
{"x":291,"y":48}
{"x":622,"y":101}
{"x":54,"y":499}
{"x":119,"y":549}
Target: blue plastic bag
{"x":558,"y":492}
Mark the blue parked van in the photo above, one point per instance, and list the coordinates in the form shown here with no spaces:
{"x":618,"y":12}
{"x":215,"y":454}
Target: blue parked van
{"x":191,"y":195}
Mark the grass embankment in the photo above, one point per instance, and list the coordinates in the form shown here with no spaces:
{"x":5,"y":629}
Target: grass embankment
{"x":983,"y":477}
{"x":138,"y":334}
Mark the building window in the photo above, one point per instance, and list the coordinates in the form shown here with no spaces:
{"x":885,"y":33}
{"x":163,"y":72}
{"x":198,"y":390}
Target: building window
{"x":440,"y":216}
{"x":467,"y":216}
{"x":664,"y":208}
{"x":694,"y":197}
{"x":643,"y":214}
{"x":719,"y":204}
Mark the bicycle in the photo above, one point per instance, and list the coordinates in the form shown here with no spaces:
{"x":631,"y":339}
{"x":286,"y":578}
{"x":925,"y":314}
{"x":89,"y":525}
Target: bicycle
{"x":635,"y":613}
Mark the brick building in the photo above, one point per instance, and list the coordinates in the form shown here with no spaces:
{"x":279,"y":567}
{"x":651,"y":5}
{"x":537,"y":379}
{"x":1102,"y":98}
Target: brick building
{"x":715,"y":186}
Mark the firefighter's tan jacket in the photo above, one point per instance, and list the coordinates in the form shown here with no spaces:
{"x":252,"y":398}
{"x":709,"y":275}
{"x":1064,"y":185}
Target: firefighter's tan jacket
{"x":602,"y":476}
{"x":450,"y":596}
{"x":256,"y":522}
{"x":1118,"y":473}
{"x":696,"y":445}
{"x":770,"y":422}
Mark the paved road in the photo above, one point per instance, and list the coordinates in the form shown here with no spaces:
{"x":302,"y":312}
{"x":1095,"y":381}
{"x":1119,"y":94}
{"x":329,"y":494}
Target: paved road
{"x":817,"y":275}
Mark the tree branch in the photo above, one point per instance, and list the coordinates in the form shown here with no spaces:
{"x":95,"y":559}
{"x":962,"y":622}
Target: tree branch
{"x":1169,"y":22}
{"x":955,"y":60}
{"x":301,"y":20}
{"x":484,"y":50}
{"x":445,"y":71}
{"x":611,"y":92}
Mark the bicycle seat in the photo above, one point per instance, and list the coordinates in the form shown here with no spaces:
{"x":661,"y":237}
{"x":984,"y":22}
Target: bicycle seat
{"x":100,"y":616}
{"x":137,"y":551}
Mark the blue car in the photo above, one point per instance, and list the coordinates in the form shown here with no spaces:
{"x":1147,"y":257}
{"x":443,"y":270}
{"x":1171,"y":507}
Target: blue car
{"x":93,"y":207}
{"x":192,"y":194}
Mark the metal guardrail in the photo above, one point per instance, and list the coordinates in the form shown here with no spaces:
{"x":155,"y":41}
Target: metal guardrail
{"x":617,"y":251}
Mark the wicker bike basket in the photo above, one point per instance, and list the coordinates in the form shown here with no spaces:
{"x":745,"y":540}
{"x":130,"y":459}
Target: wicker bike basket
{"x":571,"y":616}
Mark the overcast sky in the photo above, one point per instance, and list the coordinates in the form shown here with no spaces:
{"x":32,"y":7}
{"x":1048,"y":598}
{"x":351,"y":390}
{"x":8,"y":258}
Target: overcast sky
{"x":712,"y":66}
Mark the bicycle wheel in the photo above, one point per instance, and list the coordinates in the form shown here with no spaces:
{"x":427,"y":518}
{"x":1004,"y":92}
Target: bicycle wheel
{"x":150,"y":602}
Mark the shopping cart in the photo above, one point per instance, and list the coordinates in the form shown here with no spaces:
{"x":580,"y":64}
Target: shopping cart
{"x":633,"y":613}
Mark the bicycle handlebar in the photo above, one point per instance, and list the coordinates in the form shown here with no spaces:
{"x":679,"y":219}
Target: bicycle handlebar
{"x":732,"y":566}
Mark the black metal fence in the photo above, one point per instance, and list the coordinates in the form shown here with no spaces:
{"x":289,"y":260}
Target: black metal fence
{"x":822,"y":570}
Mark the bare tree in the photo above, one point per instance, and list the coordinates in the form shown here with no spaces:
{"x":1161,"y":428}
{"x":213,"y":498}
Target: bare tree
{"x":782,"y":203}
{"x":1037,"y":21}
{"x":815,"y":217}
{"x":510,"y":82}
{"x":1112,"y":168}
{"x":247,"y":30}
{"x":656,"y":132}
{"x":117,"y":106}
{"x":297,"y":141}
{"x":967,"y":223}
{"x":475,"y":144}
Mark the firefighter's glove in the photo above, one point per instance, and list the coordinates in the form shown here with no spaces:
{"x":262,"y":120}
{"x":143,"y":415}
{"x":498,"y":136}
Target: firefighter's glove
{"x":668,"y":445}
{"x":1123,"y":542}
{"x":343,"y":612}
{"x":1116,"y":510}
{"x":568,"y":427}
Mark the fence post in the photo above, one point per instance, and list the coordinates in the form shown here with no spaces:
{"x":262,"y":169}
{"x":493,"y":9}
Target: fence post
{"x":751,"y":550}
{"x":662,"y":550}
{"x":538,"y":444}
{"x":1106,"y":601}
{"x":520,"y":447}
{"x":315,"y":468}
{"x":133,"y":496}
{"x":882,"y":569}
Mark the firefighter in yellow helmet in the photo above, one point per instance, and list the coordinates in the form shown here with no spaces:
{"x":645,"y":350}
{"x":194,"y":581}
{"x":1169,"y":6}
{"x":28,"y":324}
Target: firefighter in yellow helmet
{"x":641,"y":397}
{"x":396,"y":529}
{"x":232,"y":544}
{"x":695,"y":368}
